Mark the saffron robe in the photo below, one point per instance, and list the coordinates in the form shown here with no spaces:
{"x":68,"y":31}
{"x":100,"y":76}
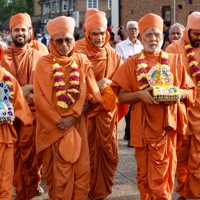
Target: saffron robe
{"x":9,"y":137}
{"x":188,"y":167}
{"x":38,"y":46}
{"x":79,"y":45}
{"x":65,"y":180}
{"x":102,"y":124}
{"x":153,"y":127}
{"x":26,"y":59}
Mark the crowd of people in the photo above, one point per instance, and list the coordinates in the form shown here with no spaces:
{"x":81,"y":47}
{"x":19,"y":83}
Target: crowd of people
{"x":60,"y":107}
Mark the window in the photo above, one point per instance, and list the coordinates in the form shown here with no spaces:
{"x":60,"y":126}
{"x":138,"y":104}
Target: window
{"x":166,"y":12}
{"x":54,"y":7}
{"x":46,"y":8}
{"x":109,"y":4}
{"x":92,"y":4}
{"x":71,"y":4}
{"x":64,"y":6}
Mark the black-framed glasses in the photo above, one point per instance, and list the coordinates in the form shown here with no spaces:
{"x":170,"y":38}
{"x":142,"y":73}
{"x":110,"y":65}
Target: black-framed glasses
{"x":59,"y":41}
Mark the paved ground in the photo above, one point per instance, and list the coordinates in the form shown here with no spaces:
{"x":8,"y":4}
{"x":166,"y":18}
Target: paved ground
{"x":125,"y":187}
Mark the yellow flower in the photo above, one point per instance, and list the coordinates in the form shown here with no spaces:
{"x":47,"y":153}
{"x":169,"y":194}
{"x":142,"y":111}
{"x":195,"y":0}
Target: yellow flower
{"x":164,"y":55}
{"x":190,"y":54}
{"x":60,"y":93}
{"x":73,"y":90}
{"x":74,"y":74}
{"x":144,"y":86}
{"x":195,"y":73}
{"x":56,"y":66}
{"x":188,"y":46}
{"x":193,"y":63}
{"x":74,"y":65}
{"x":143,"y":75}
{"x":62,"y":104}
{"x":142,"y":65}
{"x":61,"y":83}
{"x":71,"y":98}
{"x":8,"y":83}
{"x":75,"y":82}
{"x":142,"y":56}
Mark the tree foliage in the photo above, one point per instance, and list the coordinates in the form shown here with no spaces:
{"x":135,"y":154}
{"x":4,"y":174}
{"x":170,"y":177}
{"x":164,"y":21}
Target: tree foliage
{"x":11,"y":7}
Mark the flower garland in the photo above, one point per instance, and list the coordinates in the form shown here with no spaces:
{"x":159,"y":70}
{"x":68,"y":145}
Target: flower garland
{"x":66,"y":97}
{"x":142,"y":71}
{"x":193,"y":64}
{"x":9,"y":84}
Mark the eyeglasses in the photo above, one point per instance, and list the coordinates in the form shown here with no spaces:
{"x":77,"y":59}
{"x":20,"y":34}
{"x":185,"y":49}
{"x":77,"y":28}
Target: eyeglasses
{"x":150,"y":35}
{"x":132,"y":29}
{"x":59,"y":41}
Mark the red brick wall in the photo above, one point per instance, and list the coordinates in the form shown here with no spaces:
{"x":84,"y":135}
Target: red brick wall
{"x":135,"y":9}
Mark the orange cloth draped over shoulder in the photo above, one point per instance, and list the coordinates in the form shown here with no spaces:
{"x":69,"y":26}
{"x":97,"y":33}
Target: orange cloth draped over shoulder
{"x":21,"y":62}
{"x":34,"y":43}
{"x":9,"y":137}
{"x":155,"y":133}
{"x":101,"y":124}
{"x":186,"y":174}
{"x":64,"y":153}
{"x":80,"y":44}
{"x":154,"y":137}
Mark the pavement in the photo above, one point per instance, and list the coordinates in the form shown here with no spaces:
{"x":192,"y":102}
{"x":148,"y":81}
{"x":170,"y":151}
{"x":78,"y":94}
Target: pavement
{"x":125,"y":185}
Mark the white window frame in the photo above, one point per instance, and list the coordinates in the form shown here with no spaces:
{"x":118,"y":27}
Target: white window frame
{"x":46,"y":8}
{"x":64,"y":6}
{"x":91,"y":3}
{"x":109,"y":4}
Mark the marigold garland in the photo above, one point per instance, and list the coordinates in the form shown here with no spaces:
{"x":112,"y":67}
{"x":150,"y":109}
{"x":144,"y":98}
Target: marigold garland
{"x":142,"y":71}
{"x":66,"y":97}
{"x":193,"y":64}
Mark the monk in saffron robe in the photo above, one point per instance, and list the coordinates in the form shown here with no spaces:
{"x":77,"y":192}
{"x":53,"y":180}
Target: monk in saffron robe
{"x":80,"y":44}
{"x":8,"y":134}
{"x":20,"y":60}
{"x":156,"y":124}
{"x":65,"y":87}
{"x":35,"y":44}
{"x":102,"y":120}
{"x":188,"y":167}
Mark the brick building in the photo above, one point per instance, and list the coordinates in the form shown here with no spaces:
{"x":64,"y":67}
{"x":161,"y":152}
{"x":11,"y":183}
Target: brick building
{"x":49,"y":9}
{"x":175,"y":10}
{"x":117,"y":11}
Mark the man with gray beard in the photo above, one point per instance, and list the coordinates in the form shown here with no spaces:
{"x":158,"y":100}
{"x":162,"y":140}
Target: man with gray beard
{"x":157,"y":122}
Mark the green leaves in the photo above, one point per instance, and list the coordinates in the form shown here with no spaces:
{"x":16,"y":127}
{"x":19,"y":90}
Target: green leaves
{"x":12,"y":7}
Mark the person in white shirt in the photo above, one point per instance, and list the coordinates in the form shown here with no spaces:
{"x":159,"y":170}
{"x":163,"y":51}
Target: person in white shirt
{"x":125,"y":48}
{"x":131,"y":45}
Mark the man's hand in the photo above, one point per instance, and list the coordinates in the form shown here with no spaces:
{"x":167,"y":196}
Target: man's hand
{"x":27,"y":89}
{"x":145,"y":95}
{"x":102,"y":83}
{"x":66,"y":122}
{"x":29,"y":99}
